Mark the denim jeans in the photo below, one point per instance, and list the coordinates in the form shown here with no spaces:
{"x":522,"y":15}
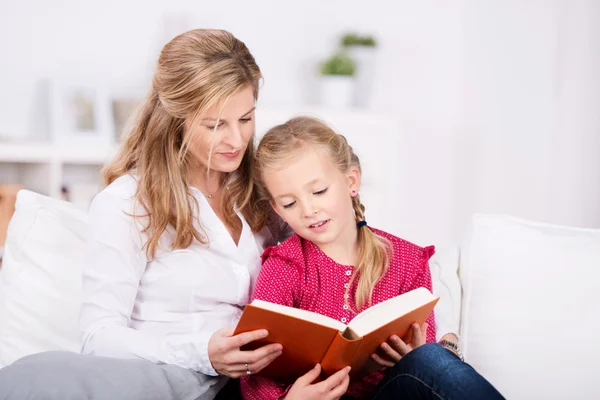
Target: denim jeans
{"x":433,"y":372}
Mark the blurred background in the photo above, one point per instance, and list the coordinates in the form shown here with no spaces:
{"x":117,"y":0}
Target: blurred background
{"x":456,"y":106}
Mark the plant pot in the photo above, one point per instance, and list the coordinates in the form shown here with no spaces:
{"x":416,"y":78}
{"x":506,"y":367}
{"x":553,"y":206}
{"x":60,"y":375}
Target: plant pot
{"x":337,"y":91}
{"x":364,"y":57}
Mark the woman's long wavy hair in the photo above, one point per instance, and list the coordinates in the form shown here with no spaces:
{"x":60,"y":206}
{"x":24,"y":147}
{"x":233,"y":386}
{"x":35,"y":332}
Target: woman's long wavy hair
{"x":276,"y":147}
{"x":195,"y":71}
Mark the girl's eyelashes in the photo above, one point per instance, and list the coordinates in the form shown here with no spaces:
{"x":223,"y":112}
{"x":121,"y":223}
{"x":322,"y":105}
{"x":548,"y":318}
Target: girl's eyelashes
{"x":245,"y":120}
{"x":321,"y":192}
{"x":289,"y":205}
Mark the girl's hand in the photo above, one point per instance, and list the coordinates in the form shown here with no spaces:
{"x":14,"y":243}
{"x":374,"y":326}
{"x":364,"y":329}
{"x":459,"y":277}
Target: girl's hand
{"x":227,"y":358}
{"x":390,"y":352}
{"x":331,"y":388}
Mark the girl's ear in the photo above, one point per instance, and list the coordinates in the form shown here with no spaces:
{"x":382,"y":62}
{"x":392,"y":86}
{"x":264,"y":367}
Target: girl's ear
{"x":354,"y":180}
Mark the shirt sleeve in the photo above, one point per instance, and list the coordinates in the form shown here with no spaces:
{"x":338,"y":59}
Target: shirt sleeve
{"x":114,"y":263}
{"x":422,"y":278}
{"x":277,"y":282}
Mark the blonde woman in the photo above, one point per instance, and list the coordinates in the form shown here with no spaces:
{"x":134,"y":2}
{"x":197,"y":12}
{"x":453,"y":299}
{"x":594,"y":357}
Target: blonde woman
{"x":174,"y":244}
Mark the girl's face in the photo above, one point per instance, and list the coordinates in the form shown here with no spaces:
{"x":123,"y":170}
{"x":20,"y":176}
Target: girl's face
{"x":226,"y":138}
{"x":314,"y":197}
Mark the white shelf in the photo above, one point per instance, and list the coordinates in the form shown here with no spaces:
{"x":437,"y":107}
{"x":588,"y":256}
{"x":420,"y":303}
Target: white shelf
{"x":47,"y":167}
{"x":49,"y":153}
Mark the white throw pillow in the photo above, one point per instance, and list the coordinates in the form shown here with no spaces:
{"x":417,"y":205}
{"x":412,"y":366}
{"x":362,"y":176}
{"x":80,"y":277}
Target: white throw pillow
{"x":531,"y":306}
{"x":40,"y":279}
{"x":446,"y":284}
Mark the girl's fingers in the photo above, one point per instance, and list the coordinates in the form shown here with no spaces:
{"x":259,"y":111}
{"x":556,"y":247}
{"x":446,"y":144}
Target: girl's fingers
{"x":340,"y":389}
{"x":390,"y":353}
{"x":381,"y":361}
{"x":417,"y":335}
{"x":399,"y":345}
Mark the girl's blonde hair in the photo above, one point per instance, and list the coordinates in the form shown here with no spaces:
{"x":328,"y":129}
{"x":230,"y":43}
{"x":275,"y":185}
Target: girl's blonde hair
{"x":282,"y":141}
{"x":195,"y":70}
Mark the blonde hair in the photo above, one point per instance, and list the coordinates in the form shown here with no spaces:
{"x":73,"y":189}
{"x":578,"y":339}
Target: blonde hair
{"x":195,"y":70}
{"x":283,"y":140}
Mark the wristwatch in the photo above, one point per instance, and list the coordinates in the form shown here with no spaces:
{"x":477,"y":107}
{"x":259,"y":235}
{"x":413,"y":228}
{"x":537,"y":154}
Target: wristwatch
{"x":453,"y":347}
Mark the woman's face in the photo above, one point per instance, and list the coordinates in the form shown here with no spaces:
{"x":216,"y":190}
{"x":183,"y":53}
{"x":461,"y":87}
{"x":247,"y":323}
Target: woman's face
{"x":225,"y":136}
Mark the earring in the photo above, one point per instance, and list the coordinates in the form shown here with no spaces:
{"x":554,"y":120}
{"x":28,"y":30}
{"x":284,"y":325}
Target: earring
{"x":353,"y":192}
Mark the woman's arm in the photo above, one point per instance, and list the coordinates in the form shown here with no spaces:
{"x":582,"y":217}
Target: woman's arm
{"x":113,"y":267}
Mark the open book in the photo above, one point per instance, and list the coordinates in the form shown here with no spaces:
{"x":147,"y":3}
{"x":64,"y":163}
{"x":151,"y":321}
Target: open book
{"x":309,"y":338}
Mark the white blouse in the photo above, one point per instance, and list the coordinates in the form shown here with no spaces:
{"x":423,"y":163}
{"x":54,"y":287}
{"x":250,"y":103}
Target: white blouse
{"x":163,"y":310}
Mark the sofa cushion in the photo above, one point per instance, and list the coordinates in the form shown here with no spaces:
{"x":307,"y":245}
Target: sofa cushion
{"x":530,"y":307}
{"x":446,"y":284}
{"x":40,"y":279}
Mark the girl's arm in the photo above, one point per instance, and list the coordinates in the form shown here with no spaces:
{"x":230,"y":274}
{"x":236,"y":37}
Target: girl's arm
{"x":277,"y":282}
{"x":422,"y":278}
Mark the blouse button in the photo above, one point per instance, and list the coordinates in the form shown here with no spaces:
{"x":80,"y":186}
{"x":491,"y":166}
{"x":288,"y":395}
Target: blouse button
{"x":346,"y":285}
{"x":348,"y":273}
{"x":346,"y":296}
{"x":345,"y":306}
{"x":344,"y":320}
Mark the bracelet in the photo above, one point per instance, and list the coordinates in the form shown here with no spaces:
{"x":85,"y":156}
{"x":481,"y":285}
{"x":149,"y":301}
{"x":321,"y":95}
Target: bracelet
{"x":453,"y":347}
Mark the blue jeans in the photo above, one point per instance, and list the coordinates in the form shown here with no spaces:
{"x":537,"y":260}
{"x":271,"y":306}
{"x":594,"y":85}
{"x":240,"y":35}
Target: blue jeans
{"x":433,"y":372}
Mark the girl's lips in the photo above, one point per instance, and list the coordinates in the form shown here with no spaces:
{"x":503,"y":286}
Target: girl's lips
{"x":320,"y":226}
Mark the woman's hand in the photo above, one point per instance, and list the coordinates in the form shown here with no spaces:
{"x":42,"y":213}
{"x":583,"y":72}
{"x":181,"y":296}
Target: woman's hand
{"x":227,"y":358}
{"x":331,"y":388}
{"x":390,"y":352}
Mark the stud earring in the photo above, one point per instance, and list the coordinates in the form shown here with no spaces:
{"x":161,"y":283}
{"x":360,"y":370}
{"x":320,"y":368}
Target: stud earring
{"x":353,"y":192}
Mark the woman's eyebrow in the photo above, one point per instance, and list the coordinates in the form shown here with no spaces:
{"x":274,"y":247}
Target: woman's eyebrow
{"x":214,"y":119}
{"x":252,"y":109}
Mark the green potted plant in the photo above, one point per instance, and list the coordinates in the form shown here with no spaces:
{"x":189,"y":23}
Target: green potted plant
{"x":337,"y":80}
{"x":354,"y":39}
{"x":362,"y":49}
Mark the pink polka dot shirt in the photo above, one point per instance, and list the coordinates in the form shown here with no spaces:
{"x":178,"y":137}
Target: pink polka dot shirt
{"x":298,"y":274}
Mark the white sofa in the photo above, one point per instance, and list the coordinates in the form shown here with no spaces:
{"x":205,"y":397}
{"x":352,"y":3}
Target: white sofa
{"x":523,"y":295}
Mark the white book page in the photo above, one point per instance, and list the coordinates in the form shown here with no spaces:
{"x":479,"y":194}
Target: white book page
{"x":387,"y":311}
{"x":301,"y":314}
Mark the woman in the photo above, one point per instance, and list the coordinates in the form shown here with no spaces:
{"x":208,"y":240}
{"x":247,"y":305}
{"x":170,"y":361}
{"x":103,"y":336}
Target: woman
{"x":175,"y":242}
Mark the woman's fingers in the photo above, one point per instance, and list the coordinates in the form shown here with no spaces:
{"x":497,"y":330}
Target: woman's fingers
{"x":242,"y":339}
{"x":264,"y":361}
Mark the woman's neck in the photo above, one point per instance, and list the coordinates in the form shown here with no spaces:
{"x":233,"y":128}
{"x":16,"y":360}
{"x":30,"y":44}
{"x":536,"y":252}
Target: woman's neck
{"x":209,"y":183}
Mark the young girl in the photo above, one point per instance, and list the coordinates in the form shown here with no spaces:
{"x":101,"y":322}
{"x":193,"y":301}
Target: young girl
{"x":337,"y":265}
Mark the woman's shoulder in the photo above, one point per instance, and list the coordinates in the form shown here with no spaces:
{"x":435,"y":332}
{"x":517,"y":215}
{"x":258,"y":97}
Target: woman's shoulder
{"x":124,"y":187}
{"x":404,"y":249}
{"x":120,"y":194}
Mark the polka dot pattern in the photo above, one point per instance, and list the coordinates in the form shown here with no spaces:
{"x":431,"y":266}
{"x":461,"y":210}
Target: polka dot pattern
{"x":298,"y":274}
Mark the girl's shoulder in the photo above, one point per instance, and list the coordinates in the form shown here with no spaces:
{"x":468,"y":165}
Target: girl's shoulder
{"x":404,"y":249}
{"x":289,"y":250}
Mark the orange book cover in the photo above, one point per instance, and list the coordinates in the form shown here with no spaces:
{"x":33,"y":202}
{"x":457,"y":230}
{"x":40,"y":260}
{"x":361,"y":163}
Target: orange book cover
{"x":309,"y":338}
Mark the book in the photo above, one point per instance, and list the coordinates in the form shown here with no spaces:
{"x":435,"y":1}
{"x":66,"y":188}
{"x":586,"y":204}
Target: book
{"x":309,"y":338}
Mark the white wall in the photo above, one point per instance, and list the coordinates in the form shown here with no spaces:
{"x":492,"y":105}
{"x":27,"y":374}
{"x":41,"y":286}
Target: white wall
{"x":497,"y":100}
